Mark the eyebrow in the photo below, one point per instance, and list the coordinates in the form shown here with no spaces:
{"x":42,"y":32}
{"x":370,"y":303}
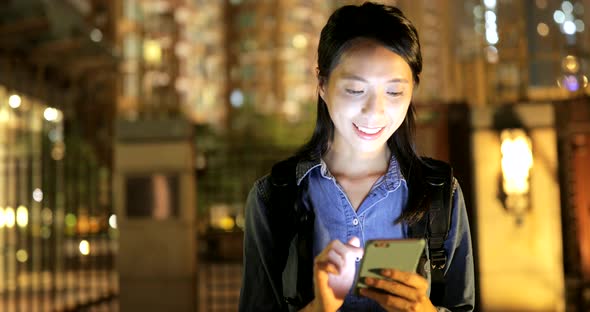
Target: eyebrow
{"x":355,"y":77}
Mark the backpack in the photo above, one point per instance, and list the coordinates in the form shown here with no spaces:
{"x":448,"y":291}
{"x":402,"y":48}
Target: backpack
{"x":293,"y":225}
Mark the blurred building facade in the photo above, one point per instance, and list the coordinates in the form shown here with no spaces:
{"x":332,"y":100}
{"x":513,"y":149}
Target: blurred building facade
{"x":242,"y":72}
{"x":57,"y":229}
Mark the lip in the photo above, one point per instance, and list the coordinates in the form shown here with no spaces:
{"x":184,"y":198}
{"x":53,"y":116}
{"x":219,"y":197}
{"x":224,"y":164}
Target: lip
{"x":367,"y":136}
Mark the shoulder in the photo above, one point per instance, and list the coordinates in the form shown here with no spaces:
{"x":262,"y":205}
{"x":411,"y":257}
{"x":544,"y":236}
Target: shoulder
{"x":282,"y":174}
{"x":435,"y":167}
{"x":438,"y":172}
{"x":262,"y":189}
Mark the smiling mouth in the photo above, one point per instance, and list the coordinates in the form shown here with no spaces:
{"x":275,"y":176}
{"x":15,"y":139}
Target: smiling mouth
{"x":368,"y":133}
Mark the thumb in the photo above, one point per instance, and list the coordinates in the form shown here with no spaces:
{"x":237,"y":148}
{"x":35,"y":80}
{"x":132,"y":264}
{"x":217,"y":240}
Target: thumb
{"x":355,"y":241}
{"x":357,"y":250}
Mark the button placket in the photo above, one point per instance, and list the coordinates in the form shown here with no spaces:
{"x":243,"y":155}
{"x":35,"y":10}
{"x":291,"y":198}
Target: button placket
{"x":355,"y":222}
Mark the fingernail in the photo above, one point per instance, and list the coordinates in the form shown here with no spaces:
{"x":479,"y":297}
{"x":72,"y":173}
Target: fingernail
{"x":369,"y":281}
{"x":386,"y":272}
{"x":376,"y":271}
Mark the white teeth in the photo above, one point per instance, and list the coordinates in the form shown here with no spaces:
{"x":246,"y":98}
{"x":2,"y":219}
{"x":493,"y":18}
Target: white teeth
{"x":369,"y":130}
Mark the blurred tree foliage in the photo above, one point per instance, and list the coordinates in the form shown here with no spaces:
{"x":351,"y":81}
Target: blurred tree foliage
{"x":230,"y":161}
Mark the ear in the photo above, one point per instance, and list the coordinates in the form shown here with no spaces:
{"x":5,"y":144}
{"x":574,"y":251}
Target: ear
{"x":322,"y":88}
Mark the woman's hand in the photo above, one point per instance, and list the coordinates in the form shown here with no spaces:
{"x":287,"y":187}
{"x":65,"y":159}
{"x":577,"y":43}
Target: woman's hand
{"x":399,"y":291}
{"x":333,"y":274}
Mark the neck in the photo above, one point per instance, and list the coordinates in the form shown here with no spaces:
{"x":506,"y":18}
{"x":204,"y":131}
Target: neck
{"x":354,"y":164}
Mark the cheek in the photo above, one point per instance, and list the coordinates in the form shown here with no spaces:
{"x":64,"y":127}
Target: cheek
{"x":342,"y":106}
{"x":398,"y":112}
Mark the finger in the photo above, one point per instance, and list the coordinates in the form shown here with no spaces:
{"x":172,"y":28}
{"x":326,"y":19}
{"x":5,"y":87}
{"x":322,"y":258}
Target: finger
{"x":335,"y":258}
{"x":335,"y":245}
{"x":355,"y":241}
{"x":395,"y":288}
{"x":339,"y":247}
{"x":407,"y":278}
{"x":331,"y":255}
{"x":354,"y":246}
{"x":389,"y":302}
{"x":321,"y":274}
{"x":346,"y":251}
{"x":327,"y":267}
{"x":329,"y":261}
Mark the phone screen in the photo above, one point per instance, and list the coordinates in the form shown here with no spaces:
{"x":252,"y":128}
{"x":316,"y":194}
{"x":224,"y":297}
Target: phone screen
{"x":399,"y":254}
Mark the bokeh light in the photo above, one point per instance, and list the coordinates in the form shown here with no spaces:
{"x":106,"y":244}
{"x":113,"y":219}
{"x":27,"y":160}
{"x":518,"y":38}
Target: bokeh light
{"x":558,"y":17}
{"x":14,"y":101}
{"x":38,"y":195}
{"x":22,"y":255}
{"x":569,"y":27}
{"x":9,"y":217}
{"x":22,"y":216}
{"x":542,"y":29}
{"x":84,"y":247}
{"x":113,"y":221}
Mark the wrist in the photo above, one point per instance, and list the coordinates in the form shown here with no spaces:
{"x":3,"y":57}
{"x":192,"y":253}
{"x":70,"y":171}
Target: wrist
{"x":314,"y":306}
{"x":311,"y":307}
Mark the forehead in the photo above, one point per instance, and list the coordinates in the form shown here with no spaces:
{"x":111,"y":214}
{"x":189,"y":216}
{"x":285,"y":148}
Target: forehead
{"x":369,"y":59}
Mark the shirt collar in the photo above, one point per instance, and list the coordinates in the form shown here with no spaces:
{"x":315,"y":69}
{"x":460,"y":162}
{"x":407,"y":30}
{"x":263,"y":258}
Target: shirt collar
{"x":392,"y":178}
{"x":304,"y":166}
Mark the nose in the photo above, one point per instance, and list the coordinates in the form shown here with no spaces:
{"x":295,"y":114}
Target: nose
{"x":375,"y":104}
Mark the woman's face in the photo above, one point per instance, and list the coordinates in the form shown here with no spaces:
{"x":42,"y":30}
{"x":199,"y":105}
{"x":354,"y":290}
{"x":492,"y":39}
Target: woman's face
{"x":367,"y":94}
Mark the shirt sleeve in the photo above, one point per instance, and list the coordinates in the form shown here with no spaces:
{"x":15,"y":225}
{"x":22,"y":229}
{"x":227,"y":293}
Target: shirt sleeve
{"x":459,"y":274}
{"x":260,"y":289}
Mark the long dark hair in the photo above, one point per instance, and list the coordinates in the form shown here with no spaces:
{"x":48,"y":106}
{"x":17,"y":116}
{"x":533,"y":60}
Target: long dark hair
{"x":387,"y":26}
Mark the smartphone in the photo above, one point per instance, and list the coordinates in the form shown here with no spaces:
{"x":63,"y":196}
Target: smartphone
{"x":399,"y":254}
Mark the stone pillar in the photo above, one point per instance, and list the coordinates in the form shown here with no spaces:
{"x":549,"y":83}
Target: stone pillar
{"x":154,"y":197}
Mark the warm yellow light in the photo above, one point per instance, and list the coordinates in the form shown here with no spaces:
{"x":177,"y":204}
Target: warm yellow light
{"x":9,"y":218}
{"x":51,"y":114}
{"x":517,"y":160}
{"x":83,"y":224}
{"x":570,"y":64}
{"x":152,"y":52}
{"x":226,"y":223}
{"x":113,"y":221}
{"x":94,"y":225}
{"x":22,"y":255}
{"x":299,"y":41}
{"x":38,"y":195}
{"x":84,"y":247}
{"x":22,"y":216}
{"x":14,"y":101}
{"x":4,"y":117}
{"x":542,"y":29}
{"x":2,"y":217}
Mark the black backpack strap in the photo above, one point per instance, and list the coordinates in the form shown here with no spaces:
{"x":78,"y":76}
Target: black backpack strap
{"x":282,"y":223}
{"x":292,"y":221}
{"x":439,"y":178}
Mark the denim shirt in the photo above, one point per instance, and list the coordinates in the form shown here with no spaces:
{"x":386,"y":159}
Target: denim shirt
{"x":335,"y":218}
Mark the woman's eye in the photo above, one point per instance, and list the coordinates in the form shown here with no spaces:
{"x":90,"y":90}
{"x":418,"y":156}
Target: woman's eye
{"x":354,"y":92}
{"x":392,"y":93}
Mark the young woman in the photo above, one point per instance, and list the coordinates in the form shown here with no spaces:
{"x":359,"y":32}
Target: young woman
{"x":360,"y":178}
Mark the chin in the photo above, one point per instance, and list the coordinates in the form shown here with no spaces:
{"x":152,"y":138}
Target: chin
{"x":372,"y":147}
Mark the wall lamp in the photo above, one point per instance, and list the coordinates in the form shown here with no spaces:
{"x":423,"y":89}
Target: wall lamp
{"x":517,"y":162}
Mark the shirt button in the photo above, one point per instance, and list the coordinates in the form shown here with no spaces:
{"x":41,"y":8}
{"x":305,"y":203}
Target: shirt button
{"x":355,"y":221}
{"x":358,"y":259}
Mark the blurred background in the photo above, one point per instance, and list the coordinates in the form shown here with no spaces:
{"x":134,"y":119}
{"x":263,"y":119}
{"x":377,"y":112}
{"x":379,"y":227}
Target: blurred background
{"x":132,"y":130}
